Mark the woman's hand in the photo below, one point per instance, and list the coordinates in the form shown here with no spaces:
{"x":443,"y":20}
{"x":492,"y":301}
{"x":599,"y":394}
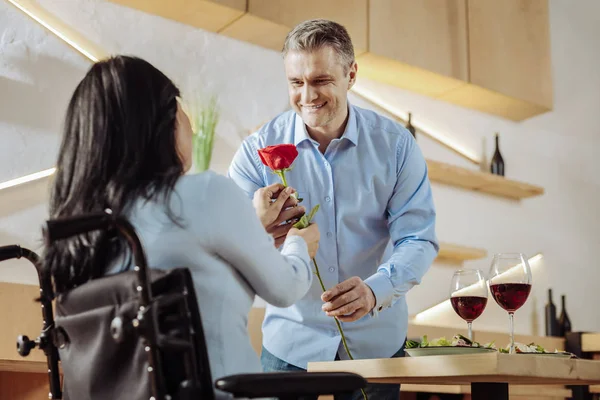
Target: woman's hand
{"x":311,"y":235}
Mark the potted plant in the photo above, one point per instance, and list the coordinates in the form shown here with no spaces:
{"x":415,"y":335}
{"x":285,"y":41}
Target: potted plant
{"x":204,"y":117}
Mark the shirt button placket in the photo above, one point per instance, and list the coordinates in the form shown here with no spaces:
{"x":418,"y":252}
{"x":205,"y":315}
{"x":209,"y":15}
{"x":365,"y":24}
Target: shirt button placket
{"x":331,"y":211}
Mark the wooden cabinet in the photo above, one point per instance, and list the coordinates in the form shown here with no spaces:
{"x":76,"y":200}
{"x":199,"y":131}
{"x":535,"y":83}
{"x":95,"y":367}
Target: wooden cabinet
{"x":429,"y":34}
{"x":509,"y":59}
{"x":488,"y":55}
{"x":420,"y":46}
{"x":268,"y":21}
{"x":509,"y":48}
{"x":210,"y":15}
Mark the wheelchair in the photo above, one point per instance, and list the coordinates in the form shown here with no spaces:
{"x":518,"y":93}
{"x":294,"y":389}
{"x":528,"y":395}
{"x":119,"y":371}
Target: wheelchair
{"x":137,"y":335}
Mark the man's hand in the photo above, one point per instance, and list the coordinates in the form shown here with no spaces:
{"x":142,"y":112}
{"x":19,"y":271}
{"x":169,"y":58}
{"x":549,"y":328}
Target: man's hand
{"x":348,"y":301}
{"x":278,"y":216}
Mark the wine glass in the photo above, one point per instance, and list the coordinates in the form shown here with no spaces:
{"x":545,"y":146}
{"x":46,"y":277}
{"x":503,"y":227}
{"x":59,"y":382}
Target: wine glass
{"x":510,"y":284}
{"x":468,"y":295}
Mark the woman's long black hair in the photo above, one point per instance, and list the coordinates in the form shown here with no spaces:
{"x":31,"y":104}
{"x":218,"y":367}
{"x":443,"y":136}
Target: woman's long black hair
{"x":119,"y":145}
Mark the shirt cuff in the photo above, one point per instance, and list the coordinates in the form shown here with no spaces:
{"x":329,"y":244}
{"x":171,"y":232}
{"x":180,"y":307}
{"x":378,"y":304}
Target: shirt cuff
{"x":383,"y":290}
{"x":296,"y":246}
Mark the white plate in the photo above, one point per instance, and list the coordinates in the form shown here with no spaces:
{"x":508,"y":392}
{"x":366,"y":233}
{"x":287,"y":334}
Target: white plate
{"x":446,"y":351}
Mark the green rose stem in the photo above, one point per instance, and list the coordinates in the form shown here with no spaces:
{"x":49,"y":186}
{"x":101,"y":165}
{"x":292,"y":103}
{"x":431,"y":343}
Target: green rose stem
{"x":335,"y":319}
{"x":281,"y":174}
{"x":301,"y":224}
{"x":339,"y":326}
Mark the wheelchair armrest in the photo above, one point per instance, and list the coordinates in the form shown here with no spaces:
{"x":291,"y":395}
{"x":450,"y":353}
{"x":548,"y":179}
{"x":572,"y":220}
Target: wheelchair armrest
{"x":290,"y":384}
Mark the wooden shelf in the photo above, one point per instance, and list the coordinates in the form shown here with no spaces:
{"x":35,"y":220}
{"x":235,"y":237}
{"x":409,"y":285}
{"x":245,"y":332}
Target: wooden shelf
{"x":481,"y":181}
{"x":456,"y":254}
{"x":24,"y":365}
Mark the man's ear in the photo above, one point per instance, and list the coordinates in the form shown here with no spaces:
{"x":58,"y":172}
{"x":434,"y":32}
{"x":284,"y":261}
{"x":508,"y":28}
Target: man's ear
{"x":353,"y":71}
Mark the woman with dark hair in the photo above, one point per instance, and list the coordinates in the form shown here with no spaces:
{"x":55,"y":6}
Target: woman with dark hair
{"x":126,"y":146}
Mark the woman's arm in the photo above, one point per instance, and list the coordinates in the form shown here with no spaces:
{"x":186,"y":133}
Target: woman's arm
{"x":281,"y":279}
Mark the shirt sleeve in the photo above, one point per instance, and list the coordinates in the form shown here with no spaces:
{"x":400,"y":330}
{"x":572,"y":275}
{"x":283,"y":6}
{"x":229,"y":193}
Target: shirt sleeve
{"x":411,"y":220}
{"x":246,"y":168}
{"x":238,"y":237}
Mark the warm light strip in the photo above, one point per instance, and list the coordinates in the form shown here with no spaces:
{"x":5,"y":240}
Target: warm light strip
{"x":446,"y":307}
{"x":432,"y":133}
{"x":42,"y":18}
{"x":27,"y":178}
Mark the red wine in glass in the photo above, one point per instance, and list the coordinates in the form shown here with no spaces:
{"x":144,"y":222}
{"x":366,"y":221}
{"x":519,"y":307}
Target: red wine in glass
{"x":468,"y":295}
{"x":510,"y":296}
{"x":469,"y":308}
{"x":510,"y":284}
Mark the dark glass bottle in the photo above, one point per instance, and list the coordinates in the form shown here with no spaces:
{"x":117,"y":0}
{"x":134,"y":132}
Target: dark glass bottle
{"x":550,"y":317}
{"x":410,"y":127}
{"x":564,"y":323}
{"x":497,"y":164}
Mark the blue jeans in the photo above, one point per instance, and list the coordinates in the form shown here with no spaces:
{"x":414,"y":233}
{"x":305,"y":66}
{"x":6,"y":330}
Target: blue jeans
{"x":375,"y":391}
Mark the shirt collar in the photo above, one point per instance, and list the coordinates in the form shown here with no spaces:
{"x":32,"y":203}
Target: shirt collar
{"x":350,"y":133}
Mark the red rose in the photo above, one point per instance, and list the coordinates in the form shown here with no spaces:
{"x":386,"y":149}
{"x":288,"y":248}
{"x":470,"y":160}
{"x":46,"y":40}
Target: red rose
{"x":278,"y":157}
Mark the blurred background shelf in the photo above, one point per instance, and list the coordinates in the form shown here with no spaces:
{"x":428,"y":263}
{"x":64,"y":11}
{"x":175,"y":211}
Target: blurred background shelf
{"x":481,"y":181}
{"x":456,"y":254}
{"x":23,"y":365}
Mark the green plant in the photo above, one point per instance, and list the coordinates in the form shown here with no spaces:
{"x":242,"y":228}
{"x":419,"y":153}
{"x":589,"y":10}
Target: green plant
{"x":204,"y":117}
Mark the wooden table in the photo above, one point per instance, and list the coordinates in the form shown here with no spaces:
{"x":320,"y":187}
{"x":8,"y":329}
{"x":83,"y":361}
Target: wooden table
{"x":528,"y":392}
{"x":590,"y":343}
{"x":488,"y":374}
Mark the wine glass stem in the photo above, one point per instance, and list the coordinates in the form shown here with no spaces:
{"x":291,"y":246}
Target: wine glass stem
{"x":511,"y":318}
{"x":469,"y":330}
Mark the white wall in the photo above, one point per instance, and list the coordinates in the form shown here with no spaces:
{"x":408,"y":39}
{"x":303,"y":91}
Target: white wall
{"x":37,"y":76}
{"x":555,"y":150}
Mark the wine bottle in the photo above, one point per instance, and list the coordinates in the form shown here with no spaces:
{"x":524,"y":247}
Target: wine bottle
{"x":564,"y":323}
{"x":497,"y":164}
{"x":410,"y":127}
{"x":550,"y":317}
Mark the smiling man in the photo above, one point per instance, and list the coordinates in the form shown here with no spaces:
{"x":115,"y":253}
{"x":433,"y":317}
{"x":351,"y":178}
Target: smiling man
{"x":377,"y":218}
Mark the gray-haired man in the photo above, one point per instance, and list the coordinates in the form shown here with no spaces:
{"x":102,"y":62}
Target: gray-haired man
{"x":377,"y":218}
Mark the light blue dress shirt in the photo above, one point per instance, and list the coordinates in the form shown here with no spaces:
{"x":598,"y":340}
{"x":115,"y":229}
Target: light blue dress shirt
{"x":231,"y":259}
{"x":377,"y":221}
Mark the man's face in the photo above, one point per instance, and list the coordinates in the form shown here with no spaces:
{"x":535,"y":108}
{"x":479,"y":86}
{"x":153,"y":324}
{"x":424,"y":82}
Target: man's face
{"x":318,"y":85}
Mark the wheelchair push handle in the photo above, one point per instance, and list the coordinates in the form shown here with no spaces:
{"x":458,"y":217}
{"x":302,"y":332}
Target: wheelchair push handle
{"x":10,"y":252}
{"x":62,"y":228}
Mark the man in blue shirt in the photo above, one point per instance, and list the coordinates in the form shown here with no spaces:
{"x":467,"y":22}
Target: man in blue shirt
{"x":377,"y":218}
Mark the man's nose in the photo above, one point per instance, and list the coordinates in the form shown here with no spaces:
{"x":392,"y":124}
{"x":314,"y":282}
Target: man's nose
{"x":308,"y":94}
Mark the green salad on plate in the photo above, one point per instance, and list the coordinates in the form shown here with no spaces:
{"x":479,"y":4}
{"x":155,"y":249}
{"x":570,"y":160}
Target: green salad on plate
{"x":457,"y":341}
